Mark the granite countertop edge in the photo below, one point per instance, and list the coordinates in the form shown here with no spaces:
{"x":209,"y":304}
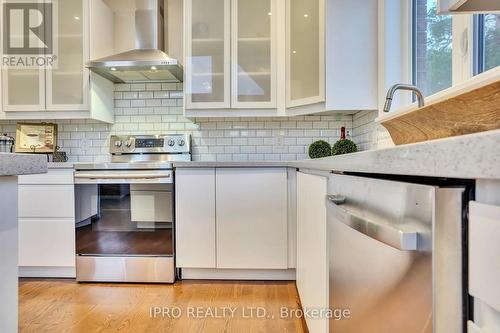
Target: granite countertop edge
{"x":22,"y":164}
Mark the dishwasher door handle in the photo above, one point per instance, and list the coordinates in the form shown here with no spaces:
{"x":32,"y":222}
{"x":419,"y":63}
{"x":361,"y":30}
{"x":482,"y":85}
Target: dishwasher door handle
{"x":386,"y":233}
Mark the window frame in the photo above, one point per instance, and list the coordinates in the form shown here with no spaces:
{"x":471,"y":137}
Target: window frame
{"x":479,"y":56}
{"x":396,"y":56}
{"x":479,"y":44}
{"x":463,"y":55}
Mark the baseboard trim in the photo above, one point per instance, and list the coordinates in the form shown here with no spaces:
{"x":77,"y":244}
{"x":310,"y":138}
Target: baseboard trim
{"x":238,"y":274}
{"x":47,"y":272}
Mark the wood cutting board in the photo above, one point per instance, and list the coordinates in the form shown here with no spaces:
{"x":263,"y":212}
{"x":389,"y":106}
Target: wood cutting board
{"x":474,"y":111}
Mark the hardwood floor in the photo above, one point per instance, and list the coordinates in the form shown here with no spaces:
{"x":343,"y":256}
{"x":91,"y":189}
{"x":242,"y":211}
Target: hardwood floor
{"x":66,"y":306}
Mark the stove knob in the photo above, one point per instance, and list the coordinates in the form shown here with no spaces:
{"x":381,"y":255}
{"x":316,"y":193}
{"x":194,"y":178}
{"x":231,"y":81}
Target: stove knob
{"x":171,"y":143}
{"x":128,"y":143}
{"x":118,"y":143}
{"x":181,"y":142}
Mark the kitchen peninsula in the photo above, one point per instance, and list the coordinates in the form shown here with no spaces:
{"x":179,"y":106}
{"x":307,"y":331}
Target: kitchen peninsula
{"x":12,"y":165}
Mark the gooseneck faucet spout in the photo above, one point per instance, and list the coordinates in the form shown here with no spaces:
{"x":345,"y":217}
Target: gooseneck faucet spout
{"x":394,"y":88}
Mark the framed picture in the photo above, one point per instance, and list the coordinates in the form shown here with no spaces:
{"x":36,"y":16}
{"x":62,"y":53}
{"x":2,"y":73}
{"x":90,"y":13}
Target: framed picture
{"x":36,"y":138}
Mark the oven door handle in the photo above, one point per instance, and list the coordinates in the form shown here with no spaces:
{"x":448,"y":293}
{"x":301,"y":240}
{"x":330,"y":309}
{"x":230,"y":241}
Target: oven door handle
{"x":95,"y":176}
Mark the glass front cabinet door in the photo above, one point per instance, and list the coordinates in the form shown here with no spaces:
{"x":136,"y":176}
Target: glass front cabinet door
{"x":230,"y":54}
{"x":305,"y":52}
{"x":207,"y":38}
{"x":67,"y":82}
{"x":253,"y":43}
{"x":63,"y":86}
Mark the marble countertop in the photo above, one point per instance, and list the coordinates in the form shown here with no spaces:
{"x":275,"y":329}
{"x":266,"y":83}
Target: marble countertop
{"x":22,"y":164}
{"x":474,"y":156}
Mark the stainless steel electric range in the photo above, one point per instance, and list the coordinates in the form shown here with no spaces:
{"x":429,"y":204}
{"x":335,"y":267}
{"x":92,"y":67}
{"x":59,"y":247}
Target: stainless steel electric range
{"x":125,"y":211}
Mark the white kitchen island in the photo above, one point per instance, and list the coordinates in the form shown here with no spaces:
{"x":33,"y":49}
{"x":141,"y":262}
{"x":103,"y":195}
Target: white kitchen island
{"x":12,"y":165}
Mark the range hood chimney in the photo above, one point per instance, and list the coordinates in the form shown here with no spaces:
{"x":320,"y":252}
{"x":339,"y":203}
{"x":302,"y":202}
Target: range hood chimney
{"x":148,"y":61}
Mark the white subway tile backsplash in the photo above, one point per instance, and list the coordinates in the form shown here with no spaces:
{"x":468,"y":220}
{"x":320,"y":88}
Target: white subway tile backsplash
{"x":122,"y":103}
{"x":367,"y":133}
{"x":138,"y":87}
{"x":161,"y":94}
{"x":153,"y":86}
{"x":176,"y":94}
{"x":156,"y":108}
{"x":247,"y":149}
{"x":168,"y":86}
{"x":145,"y":94}
{"x":122,"y":87}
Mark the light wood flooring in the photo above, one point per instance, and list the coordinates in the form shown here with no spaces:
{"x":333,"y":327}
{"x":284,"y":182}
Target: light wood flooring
{"x":66,"y":306}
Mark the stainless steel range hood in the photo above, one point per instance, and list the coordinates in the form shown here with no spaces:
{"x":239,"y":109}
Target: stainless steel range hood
{"x":148,"y":61}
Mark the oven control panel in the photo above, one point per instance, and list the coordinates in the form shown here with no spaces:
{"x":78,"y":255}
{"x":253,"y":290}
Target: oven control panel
{"x":150,"y":144}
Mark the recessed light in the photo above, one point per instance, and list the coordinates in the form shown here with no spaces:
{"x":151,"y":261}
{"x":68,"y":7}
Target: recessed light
{"x":77,"y":18}
{"x":113,"y":68}
{"x":294,"y":52}
{"x":153,"y":68}
{"x":306,"y":15}
{"x":269,"y":13}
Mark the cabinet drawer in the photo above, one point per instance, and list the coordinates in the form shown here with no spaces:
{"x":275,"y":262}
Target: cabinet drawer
{"x":46,"y":201}
{"x":53,"y":176}
{"x":46,"y":242}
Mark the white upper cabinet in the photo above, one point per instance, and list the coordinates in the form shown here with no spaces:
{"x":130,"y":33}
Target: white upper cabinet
{"x":230,"y":54}
{"x":351,"y":65}
{"x":23,"y":89}
{"x":67,"y":89}
{"x":207,"y":48}
{"x":67,"y":83}
{"x":286,"y":57}
{"x":253,"y":46}
{"x":62,"y":86}
{"x":305,"y":52}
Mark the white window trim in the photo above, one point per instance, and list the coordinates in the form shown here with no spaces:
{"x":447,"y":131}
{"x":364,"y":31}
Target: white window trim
{"x":463,"y":48}
{"x":395,"y":45}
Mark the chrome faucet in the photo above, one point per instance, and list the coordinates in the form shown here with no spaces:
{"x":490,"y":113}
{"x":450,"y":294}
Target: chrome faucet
{"x":392,"y":90}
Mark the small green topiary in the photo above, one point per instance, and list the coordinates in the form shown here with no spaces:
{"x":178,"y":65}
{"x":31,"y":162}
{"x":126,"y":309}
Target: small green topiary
{"x":320,"y":149}
{"x":344,"y":146}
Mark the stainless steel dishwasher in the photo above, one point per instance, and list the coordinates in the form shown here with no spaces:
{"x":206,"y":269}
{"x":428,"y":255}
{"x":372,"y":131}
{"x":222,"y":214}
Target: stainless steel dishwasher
{"x":395,"y":256}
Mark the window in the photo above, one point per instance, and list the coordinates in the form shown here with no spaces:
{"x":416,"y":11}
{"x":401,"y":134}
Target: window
{"x":487,"y":44}
{"x":432,"y":48}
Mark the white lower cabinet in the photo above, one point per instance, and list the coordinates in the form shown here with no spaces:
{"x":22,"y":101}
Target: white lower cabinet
{"x":195,"y":218}
{"x":312,"y":258}
{"x":46,"y":201}
{"x":251,"y":206}
{"x":47,"y":224}
{"x":45,"y":242}
{"x":232,"y":218}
